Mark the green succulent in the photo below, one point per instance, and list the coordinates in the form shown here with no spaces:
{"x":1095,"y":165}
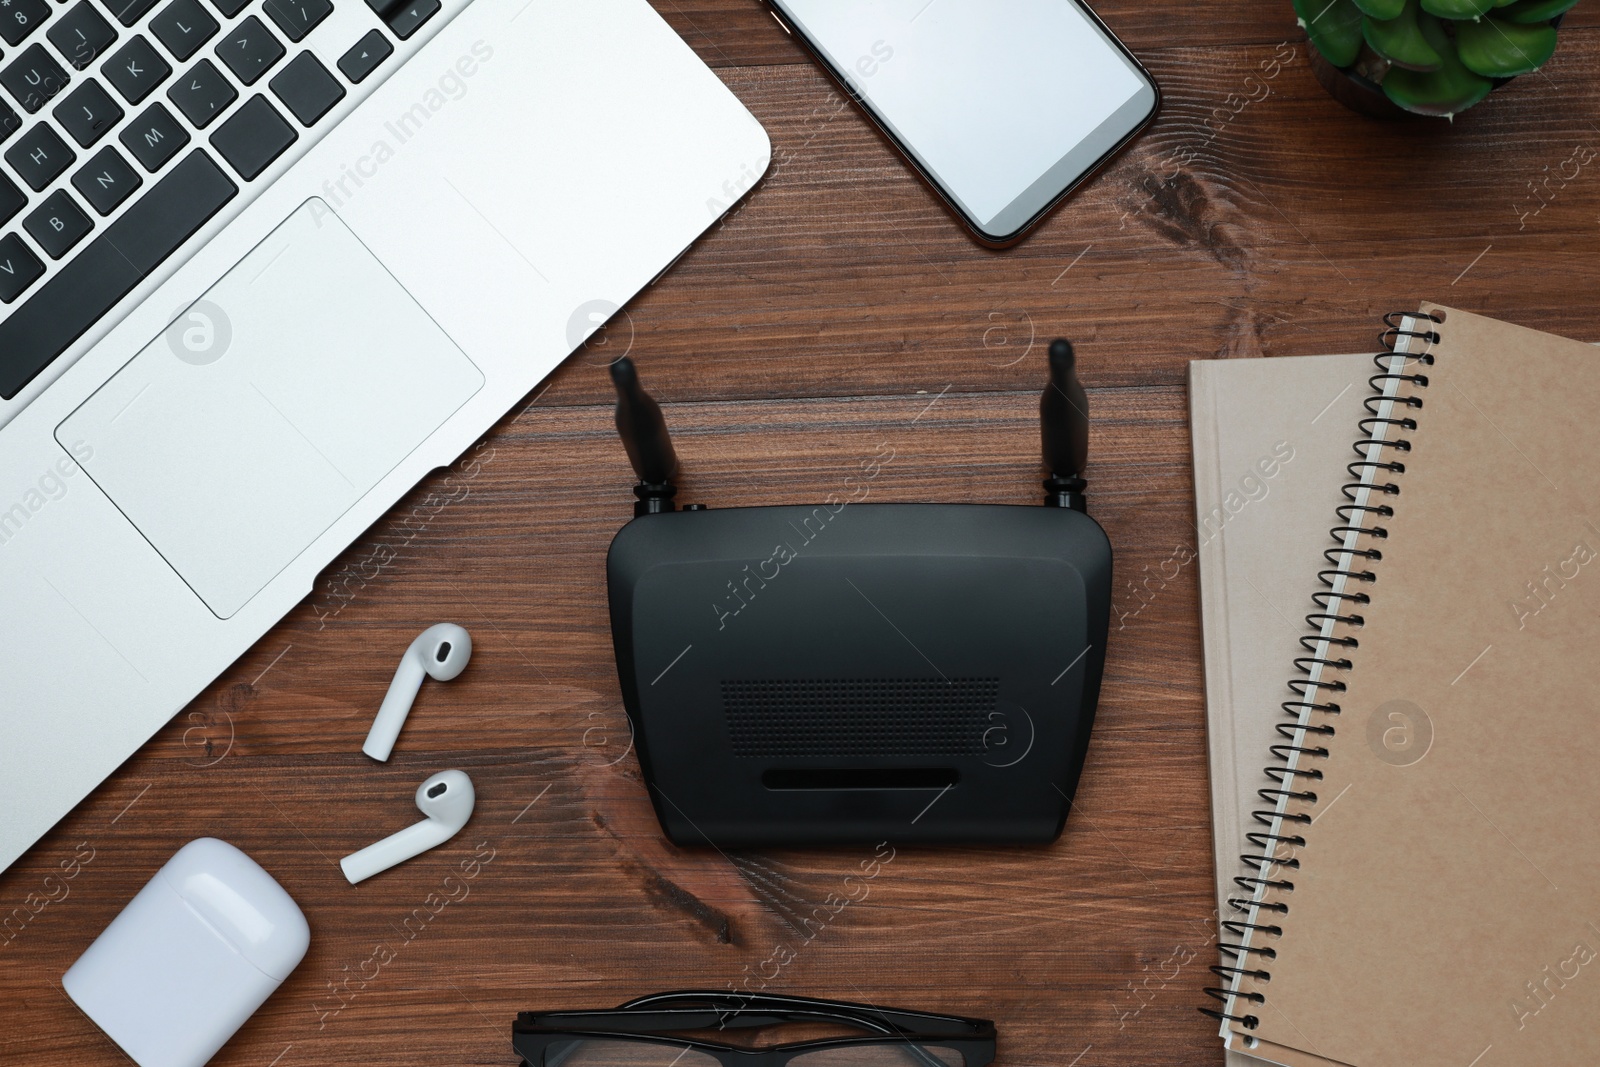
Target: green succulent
{"x":1434,"y":57}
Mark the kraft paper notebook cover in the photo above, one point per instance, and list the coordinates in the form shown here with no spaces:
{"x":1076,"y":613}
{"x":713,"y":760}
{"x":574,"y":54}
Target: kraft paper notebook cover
{"x":1436,"y":899}
{"x":1271,"y":438}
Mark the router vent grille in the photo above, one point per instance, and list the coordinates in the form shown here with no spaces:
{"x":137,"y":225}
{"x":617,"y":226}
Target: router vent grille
{"x":859,"y":716}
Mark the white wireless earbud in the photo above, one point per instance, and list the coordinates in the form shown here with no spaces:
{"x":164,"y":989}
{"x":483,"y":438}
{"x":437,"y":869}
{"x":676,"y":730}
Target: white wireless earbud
{"x":440,"y":652}
{"x":446,"y":799}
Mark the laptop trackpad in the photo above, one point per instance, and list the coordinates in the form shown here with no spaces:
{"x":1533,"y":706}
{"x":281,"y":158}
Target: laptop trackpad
{"x":273,"y":404}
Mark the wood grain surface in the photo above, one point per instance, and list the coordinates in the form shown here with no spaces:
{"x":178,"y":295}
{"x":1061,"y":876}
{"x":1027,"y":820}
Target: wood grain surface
{"x":837,"y":308}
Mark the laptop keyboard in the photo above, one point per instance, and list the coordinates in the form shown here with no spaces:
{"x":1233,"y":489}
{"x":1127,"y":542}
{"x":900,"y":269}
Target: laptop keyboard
{"x":126,"y":125}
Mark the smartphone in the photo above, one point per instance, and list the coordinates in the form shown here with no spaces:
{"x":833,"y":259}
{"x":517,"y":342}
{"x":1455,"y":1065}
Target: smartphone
{"x":1002,"y":106}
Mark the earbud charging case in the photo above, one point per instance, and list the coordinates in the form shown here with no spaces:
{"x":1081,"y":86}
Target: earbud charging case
{"x":204,"y":943}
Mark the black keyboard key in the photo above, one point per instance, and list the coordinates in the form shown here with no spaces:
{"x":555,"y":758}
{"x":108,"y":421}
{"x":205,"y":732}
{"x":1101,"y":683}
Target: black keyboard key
{"x":183,"y":26}
{"x":33,"y":78}
{"x":154,"y":137}
{"x":12,"y":199}
{"x":296,"y":18}
{"x":58,"y":224}
{"x":102,"y":273}
{"x":18,"y":18}
{"x":306,"y":88}
{"x":408,"y":18}
{"x":136,"y":69}
{"x":82,"y":34}
{"x":365,"y":56}
{"x":39,"y":156}
{"x":202,"y":94}
{"x":88,"y":113}
{"x":107,"y":180}
{"x":10,"y":122}
{"x":128,"y":12}
{"x":230,"y":8}
{"x":383,"y":8}
{"x":253,"y":137}
{"x":19,"y":268}
{"x":250,"y":50}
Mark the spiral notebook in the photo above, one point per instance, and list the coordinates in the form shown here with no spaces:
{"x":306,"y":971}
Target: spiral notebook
{"x":1271,"y":438}
{"x":1427,"y":889}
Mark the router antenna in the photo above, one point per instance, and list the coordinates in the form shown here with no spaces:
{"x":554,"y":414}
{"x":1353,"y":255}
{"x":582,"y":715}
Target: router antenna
{"x":644,"y":435}
{"x":1064,"y":430}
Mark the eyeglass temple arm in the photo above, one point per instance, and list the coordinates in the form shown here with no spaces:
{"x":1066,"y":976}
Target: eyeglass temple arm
{"x":665,"y":1019}
{"x":730,"y":1005}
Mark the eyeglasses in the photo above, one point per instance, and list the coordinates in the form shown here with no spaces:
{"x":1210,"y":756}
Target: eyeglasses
{"x":642,"y":1033}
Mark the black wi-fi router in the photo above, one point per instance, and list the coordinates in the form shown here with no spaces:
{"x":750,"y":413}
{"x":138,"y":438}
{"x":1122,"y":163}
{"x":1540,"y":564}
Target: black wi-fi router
{"x":860,"y":672}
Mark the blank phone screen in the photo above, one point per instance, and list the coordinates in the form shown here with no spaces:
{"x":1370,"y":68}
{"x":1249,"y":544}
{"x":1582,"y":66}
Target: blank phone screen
{"x":1003,"y":102}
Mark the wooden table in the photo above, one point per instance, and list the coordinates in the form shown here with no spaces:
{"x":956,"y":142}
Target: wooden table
{"x":837,"y":309}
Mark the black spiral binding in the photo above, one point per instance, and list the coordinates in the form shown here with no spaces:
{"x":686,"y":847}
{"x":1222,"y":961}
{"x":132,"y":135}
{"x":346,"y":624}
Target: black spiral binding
{"x":1372,"y":472}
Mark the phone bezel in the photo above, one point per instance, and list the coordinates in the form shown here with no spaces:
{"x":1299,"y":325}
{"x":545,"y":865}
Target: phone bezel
{"x":974,"y":226}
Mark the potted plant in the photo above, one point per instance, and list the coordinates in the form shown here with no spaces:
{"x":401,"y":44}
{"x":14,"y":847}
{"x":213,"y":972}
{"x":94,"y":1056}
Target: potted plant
{"x":1425,"y":57}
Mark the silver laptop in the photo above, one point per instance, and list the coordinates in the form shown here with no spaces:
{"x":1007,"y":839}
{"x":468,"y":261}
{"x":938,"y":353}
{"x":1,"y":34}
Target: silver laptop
{"x":264,"y":264}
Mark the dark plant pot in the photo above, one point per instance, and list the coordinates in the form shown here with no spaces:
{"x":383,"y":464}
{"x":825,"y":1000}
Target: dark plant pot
{"x":1355,"y":90}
